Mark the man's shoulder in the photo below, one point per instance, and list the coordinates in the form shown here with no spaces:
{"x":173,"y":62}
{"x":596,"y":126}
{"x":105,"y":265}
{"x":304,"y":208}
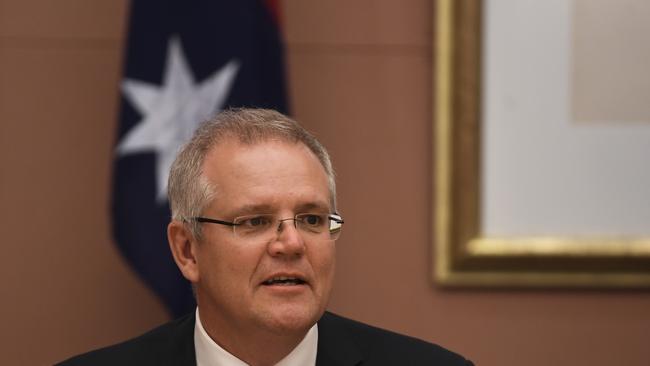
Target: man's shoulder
{"x":165,"y":344}
{"x":383,"y":347}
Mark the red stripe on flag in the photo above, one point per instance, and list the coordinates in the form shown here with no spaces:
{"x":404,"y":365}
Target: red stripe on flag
{"x":274,"y":9}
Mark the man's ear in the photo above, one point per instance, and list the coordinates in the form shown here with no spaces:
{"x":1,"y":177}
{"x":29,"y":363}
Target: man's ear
{"x":183,"y":247}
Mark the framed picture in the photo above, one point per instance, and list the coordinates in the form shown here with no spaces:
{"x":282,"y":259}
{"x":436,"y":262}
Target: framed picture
{"x":542,"y":143}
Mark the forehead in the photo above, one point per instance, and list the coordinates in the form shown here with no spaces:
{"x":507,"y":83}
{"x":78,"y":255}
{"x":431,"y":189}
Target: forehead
{"x":272,"y":173}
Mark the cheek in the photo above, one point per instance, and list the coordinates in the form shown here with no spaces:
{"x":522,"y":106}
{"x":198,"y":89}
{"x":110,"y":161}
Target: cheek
{"x":324,"y":263}
{"x":229,"y":266}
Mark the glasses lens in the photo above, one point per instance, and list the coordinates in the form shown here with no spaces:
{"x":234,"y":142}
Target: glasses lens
{"x":254,"y":226}
{"x":312,"y":223}
{"x":320,"y":226}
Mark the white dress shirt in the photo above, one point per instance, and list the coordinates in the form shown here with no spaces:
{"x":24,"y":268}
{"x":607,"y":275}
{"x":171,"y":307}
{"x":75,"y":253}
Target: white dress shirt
{"x":209,"y":353}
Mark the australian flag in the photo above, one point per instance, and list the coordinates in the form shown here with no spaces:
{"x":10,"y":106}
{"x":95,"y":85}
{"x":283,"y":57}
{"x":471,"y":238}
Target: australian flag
{"x":185,"y":61}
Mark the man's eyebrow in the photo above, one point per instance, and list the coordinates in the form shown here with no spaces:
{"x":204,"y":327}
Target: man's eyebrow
{"x":269,"y":209}
{"x":254,"y":209}
{"x":311,"y":206}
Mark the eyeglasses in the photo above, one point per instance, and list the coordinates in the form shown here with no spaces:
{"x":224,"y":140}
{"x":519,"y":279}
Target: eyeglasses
{"x":262,"y":227}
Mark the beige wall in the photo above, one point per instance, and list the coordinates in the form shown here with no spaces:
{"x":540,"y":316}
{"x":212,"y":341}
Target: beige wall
{"x":361,"y":79}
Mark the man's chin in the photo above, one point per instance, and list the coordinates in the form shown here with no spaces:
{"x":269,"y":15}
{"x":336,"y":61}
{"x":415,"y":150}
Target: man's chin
{"x":288,"y":319}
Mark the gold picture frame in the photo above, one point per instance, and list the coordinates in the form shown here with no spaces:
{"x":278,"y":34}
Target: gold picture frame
{"x":461,"y":255}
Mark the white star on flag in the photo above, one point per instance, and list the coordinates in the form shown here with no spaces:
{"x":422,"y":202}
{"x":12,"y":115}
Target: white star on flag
{"x":172,"y":111}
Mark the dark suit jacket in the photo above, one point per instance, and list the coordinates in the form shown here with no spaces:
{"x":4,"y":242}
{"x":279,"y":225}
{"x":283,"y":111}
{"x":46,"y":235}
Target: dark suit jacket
{"x":341,"y":342}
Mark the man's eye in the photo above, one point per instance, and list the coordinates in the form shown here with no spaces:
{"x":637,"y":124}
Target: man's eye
{"x":312,"y":220}
{"x":255,"y":221}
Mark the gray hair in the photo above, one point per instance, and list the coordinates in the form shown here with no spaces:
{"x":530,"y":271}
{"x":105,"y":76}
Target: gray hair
{"x":190,"y":192}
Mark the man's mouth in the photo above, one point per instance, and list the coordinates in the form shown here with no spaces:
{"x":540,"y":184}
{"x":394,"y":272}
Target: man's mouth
{"x":284,"y":281}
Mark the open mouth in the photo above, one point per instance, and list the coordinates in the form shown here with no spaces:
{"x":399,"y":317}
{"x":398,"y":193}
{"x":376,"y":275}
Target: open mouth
{"x":283,"y":281}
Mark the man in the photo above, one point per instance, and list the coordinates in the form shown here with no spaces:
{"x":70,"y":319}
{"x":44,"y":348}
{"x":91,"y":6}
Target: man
{"x":253,"y":228}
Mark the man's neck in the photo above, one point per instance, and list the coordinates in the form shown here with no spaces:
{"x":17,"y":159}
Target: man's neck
{"x":256,"y":347}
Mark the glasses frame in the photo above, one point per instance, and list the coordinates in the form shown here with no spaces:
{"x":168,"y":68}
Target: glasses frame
{"x":334,"y":233}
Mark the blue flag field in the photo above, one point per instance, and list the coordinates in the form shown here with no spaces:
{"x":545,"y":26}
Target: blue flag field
{"x":184,"y":62}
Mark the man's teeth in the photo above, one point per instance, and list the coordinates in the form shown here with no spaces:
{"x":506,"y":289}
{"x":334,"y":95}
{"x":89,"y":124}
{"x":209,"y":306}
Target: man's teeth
{"x":284,"y":281}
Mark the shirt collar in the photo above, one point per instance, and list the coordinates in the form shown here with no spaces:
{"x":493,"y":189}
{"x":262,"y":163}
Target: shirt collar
{"x":209,"y":353}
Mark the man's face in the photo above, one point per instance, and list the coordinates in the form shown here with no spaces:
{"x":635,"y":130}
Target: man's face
{"x":272,"y":177}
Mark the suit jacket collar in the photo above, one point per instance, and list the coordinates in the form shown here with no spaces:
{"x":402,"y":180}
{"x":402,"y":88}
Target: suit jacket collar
{"x":335,"y":346}
{"x":180,"y":349}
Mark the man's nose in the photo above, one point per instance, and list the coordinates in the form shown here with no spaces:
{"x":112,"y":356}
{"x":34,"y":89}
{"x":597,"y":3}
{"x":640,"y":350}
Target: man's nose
{"x":289,"y":241}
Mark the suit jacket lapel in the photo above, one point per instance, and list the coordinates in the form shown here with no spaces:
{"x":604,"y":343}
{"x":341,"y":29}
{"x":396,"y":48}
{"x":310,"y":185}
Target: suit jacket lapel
{"x":335,"y":346}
